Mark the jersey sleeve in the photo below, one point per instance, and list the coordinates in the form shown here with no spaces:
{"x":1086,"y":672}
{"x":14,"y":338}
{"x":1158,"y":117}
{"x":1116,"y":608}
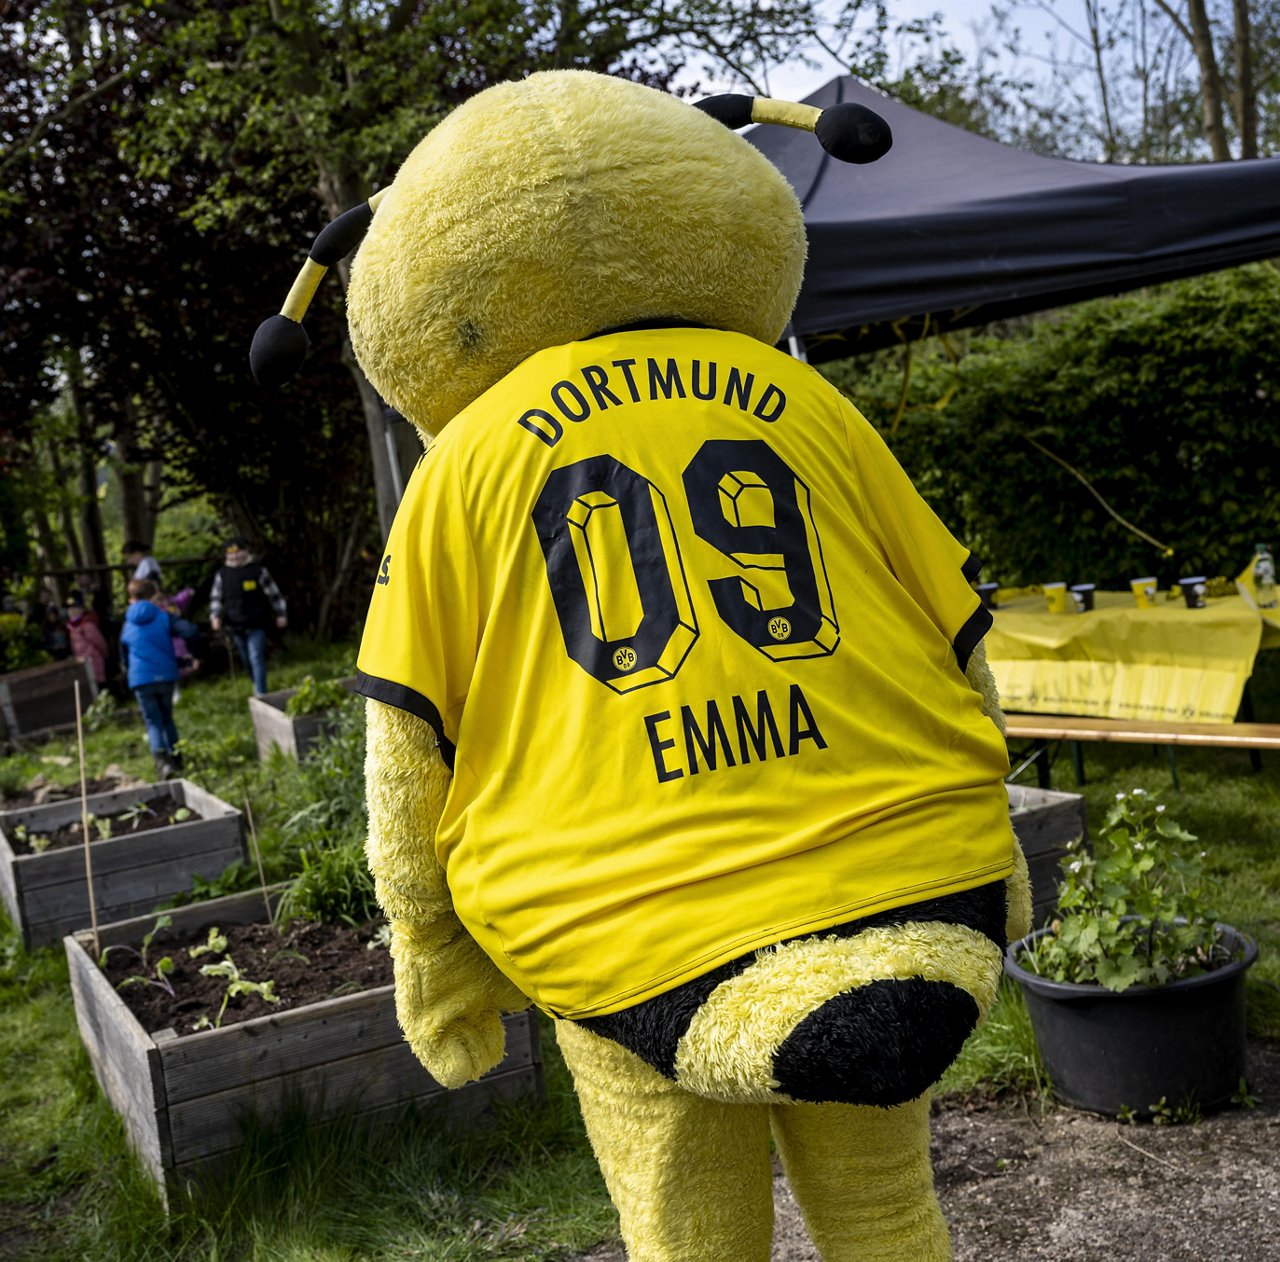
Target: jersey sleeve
{"x":934,"y":568}
{"x":417,"y":650}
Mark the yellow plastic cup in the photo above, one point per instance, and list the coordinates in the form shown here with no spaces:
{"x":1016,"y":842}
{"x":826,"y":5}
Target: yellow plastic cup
{"x":1144,"y":591}
{"x":1055,"y":597}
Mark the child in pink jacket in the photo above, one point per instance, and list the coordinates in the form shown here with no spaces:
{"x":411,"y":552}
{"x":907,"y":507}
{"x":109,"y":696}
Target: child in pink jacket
{"x":87,"y":641}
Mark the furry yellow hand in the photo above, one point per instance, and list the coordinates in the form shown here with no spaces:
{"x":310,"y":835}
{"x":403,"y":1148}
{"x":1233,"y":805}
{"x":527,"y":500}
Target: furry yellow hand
{"x":449,"y":994}
{"x":449,"y":1000}
{"x":1018,"y":897}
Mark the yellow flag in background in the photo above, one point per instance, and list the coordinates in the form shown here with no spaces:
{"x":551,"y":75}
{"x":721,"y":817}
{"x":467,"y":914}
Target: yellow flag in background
{"x":1246,"y":584}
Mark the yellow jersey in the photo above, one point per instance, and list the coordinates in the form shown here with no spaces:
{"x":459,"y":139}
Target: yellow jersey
{"x":694,"y":648}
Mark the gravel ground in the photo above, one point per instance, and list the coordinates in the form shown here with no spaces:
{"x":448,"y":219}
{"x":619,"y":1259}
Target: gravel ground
{"x":1069,"y":1186}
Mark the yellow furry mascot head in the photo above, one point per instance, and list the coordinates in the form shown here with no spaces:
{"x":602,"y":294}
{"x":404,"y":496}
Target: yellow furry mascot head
{"x":480,"y":253}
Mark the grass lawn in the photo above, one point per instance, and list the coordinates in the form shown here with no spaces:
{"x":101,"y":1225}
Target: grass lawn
{"x":525,"y":1188}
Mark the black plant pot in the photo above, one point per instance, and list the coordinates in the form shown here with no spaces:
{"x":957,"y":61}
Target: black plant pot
{"x":1108,"y":1051}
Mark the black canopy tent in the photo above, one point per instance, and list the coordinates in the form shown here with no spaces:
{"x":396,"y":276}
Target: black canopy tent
{"x":950,"y":229}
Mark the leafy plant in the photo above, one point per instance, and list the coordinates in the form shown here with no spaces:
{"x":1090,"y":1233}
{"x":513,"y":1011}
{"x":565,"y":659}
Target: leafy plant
{"x":159,"y":971}
{"x":134,"y":815}
{"x":101,"y":711}
{"x":236,"y":985}
{"x":333,"y":884}
{"x":37,"y":842}
{"x":19,"y":643}
{"x":315,"y":695}
{"x":215,"y":944}
{"x":1137,"y":912}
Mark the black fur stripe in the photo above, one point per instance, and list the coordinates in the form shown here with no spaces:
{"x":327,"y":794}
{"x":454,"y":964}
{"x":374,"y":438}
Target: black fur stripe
{"x":653,"y":1029}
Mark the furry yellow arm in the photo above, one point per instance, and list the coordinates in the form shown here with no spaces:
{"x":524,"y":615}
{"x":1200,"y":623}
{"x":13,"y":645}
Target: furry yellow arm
{"x":1018,"y":886}
{"x":449,"y":995}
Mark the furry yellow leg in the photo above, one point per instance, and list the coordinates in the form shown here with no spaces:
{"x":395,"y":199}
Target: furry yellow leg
{"x":690,"y":1177}
{"x":863,"y":1180}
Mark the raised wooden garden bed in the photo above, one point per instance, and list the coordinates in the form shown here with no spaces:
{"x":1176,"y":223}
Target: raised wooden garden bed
{"x":1044,"y":821}
{"x":42,"y":699}
{"x":295,"y":736}
{"x":185,"y":1099}
{"x":46,"y":894}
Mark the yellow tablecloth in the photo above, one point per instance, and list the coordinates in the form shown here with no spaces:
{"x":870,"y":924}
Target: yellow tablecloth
{"x":1121,"y":662}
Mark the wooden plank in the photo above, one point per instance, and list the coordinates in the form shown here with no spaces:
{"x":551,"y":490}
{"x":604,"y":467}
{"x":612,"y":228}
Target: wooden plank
{"x":123,"y":1056}
{"x":233,"y":909}
{"x":1136,"y":732}
{"x":387,"y":1075}
{"x":203,"y":802}
{"x":53,"y":910}
{"x":452,"y":1109}
{"x":41,"y":699}
{"x":120,"y":855}
{"x":10,"y":890}
{"x":283,"y":1043}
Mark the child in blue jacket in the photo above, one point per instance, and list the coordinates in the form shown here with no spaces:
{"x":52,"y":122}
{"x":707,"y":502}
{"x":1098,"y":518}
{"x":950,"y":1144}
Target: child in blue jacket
{"x":146,"y":644}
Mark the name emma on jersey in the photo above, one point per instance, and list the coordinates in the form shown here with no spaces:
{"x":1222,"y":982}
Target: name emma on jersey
{"x":597,"y":388}
{"x":729,"y":733}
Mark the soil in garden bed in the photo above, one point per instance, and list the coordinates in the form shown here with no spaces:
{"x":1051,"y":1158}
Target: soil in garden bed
{"x":307,"y":962}
{"x":39,"y":792}
{"x":138,"y":817}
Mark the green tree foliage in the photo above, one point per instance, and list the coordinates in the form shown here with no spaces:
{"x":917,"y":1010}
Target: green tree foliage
{"x":1166,"y":402}
{"x":128,"y":323}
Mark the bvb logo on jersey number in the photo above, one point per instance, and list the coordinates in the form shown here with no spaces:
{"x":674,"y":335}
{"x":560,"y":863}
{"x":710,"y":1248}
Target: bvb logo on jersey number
{"x":617,"y":572}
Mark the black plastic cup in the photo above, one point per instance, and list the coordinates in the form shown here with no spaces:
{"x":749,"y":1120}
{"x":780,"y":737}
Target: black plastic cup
{"x":1082,"y":596}
{"x":987,"y":593}
{"x":1193,"y":591}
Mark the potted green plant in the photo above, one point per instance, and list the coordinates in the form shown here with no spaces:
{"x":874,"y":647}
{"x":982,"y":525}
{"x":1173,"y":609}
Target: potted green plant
{"x":1135,"y":990}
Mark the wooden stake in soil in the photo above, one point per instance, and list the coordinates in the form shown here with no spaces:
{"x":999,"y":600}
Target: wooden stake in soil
{"x":84,"y":823}
{"x":257,"y":854}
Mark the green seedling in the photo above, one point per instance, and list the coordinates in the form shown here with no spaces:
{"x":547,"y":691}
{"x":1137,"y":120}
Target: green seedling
{"x":159,"y":971}
{"x":103,"y":826}
{"x":137,"y":812}
{"x":237,"y":985}
{"x":381,"y":938}
{"x":182,"y":813}
{"x":215,"y":944}
{"x":37,"y":842}
{"x":1244,"y":1098}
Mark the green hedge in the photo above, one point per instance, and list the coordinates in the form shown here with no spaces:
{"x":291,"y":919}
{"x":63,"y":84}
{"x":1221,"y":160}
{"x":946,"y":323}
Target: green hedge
{"x":1167,"y":401}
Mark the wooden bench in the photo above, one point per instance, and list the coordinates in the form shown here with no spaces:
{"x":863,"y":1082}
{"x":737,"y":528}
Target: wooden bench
{"x":1042,"y":729}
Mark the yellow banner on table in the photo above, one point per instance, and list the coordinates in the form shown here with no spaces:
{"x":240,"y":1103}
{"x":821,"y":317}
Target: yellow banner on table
{"x":1167,"y":663}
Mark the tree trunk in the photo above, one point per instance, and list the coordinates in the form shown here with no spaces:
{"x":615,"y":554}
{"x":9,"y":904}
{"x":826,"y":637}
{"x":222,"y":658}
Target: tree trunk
{"x":1211,"y":90}
{"x":343,"y":570}
{"x":48,"y":556}
{"x":1246,"y":101}
{"x":65,"y":508}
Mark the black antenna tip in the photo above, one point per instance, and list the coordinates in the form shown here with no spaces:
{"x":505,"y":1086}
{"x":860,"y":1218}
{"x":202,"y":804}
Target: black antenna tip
{"x":279,"y":347}
{"x":733,"y":109}
{"x":853,"y":133}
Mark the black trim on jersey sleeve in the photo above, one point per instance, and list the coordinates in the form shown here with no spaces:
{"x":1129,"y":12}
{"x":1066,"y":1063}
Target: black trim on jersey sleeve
{"x":971,"y":568}
{"x":969,"y":635}
{"x":404,"y":698}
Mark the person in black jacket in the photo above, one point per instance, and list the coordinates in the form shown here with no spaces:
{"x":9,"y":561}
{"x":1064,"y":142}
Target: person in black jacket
{"x":245,"y":599}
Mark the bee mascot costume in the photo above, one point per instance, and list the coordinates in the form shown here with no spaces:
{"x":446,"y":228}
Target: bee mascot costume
{"x":679,"y":723}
